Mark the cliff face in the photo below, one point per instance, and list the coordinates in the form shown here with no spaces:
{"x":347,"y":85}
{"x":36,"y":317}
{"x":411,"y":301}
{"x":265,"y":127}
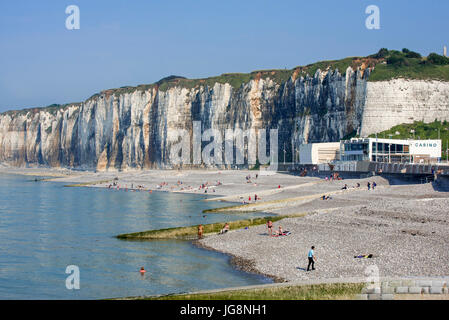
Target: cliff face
{"x":135,"y":129}
{"x":389,"y":103}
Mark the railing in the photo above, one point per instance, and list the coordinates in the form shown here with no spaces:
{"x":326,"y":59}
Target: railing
{"x":382,"y":167}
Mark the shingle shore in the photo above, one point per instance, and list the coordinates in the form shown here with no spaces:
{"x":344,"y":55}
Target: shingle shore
{"x":405,"y":227}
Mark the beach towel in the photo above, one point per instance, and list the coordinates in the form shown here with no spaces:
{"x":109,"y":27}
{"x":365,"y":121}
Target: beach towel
{"x":364,"y":256}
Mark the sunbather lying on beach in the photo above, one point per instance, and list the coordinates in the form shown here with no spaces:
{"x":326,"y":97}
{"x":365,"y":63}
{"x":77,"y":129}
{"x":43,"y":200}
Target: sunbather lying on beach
{"x":281,"y":232}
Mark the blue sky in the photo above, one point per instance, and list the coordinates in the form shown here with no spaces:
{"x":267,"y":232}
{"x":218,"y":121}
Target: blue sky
{"x":137,"y":42}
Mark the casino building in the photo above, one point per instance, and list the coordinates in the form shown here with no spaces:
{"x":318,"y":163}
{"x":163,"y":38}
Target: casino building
{"x":390,"y":150}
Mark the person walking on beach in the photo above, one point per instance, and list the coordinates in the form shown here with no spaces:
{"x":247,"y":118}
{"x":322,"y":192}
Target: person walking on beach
{"x":374,"y":184}
{"x":369,"y":185}
{"x":311,"y":257}
{"x":200,"y":231}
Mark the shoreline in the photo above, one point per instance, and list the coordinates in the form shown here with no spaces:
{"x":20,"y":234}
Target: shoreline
{"x":401,"y":225}
{"x":239,"y":263}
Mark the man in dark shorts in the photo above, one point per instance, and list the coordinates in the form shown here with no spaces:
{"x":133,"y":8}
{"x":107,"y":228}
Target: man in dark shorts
{"x":270,"y":227}
{"x":311,"y":257}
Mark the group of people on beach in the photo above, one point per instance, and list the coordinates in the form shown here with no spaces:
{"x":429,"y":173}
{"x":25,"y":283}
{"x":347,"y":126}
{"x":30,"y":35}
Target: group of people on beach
{"x":248,"y":178}
{"x":369,"y":185}
{"x":180,"y":184}
{"x":114,"y":185}
{"x":333,"y":176}
{"x":205,"y":186}
{"x":161,"y":185}
{"x":310,"y":256}
{"x":125,"y":187}
{"x":271,"y":232}
{"x":255,"y":198}
{"x":224,"y":230}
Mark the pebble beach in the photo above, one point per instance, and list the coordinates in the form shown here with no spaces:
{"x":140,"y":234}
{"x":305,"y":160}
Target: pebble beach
{"x":404,"y":227}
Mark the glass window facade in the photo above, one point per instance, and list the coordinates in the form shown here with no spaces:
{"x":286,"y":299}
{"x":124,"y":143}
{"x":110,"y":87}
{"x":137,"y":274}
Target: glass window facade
{"x":356,"y":146}
{"x":386,"y":150}
{"x":369,"y":150}
{"x":390,"y":152}
{"x":355,"y":151}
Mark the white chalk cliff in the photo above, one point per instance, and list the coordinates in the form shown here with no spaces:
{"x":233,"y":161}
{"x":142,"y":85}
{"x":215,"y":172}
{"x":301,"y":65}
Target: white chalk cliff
{"x":123,"y":129}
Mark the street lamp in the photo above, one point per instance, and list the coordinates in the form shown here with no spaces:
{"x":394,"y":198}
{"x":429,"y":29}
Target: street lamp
{"x":284,"y":152}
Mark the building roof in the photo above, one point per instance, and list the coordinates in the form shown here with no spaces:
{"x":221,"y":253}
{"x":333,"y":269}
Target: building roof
{"x":395,"y":141}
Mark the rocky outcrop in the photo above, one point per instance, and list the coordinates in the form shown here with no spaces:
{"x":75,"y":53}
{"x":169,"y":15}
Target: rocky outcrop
{"x":135,"y":128}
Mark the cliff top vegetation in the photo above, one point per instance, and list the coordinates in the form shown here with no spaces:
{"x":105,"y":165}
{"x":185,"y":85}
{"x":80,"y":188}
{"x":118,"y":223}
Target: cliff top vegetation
{"x":384,"y":65}
{"x":409,"y":65}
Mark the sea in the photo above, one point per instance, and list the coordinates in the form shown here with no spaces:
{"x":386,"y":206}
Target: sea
{"x":58,"y":242}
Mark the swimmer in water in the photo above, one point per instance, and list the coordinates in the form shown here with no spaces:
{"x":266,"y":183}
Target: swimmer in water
{"x":142,"y":271}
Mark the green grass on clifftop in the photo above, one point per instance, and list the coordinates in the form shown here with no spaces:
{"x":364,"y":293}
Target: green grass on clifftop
{"x":409,"y":65}
{"x":388,"y":64}
{"x":415,"y":70}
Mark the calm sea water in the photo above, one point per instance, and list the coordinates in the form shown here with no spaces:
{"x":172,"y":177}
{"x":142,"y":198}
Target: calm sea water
{"x":44,"y":227}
